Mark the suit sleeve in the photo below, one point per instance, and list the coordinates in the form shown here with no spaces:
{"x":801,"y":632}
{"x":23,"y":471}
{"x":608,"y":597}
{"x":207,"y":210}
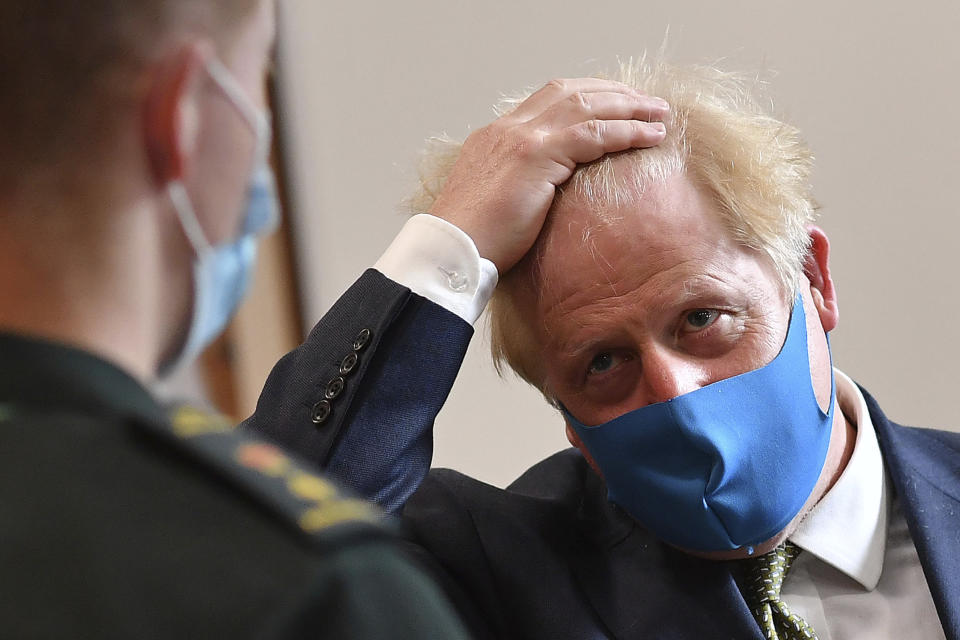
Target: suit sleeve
{"x":360,"y":395}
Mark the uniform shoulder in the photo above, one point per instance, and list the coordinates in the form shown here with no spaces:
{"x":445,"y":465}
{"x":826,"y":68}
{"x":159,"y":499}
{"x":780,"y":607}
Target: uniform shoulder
{"x":301,"y":498}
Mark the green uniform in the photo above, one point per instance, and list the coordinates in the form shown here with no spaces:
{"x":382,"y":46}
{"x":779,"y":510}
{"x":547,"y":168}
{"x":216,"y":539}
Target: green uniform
{"x":122,"y":521}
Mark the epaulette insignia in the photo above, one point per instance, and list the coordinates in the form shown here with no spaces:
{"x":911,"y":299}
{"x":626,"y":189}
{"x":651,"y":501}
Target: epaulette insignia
{"x":310,"y":502}
{"x":263,"y":457}
{"x":190,"y":421}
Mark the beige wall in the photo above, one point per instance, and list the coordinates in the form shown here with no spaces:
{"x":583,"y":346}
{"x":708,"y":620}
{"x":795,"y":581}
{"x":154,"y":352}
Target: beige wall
{"x":873,"y":85}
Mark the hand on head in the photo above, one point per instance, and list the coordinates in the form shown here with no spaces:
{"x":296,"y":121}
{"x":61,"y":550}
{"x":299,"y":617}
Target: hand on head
{"x":505,"y":178}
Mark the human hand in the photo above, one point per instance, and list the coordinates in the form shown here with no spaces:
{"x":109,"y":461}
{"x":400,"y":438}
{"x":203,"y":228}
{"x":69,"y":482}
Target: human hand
{"x":505,"y":178}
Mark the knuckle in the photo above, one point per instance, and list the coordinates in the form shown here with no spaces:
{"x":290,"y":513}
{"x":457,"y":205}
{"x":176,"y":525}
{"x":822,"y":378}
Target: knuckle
{"x":580,"y":101}
{"x":592,"y":131}
{"x":559,"y":84}
{"x":524,"y":145}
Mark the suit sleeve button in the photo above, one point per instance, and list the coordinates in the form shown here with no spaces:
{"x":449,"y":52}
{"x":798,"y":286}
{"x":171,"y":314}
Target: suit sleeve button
{"x":349,"y":363}
{"x":362,"y":339}
{"x":334,"y":388}
{"x":321,"y":411}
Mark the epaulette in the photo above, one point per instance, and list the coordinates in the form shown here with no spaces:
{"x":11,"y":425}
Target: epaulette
{"x":302,"y":498}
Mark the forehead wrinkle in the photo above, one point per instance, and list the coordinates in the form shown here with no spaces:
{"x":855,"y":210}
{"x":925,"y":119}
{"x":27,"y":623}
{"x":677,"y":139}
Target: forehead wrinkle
{"x":618,"y":289}
{"x":568,"y":303}
{"x":655,"y":263}
{"x":655,"y":298}
{"x":612,"y":267}
{"x":600,"y":260}
{"x":595,"y":321}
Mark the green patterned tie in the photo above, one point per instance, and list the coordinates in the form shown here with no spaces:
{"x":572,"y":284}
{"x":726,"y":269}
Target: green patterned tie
{"x":761,"y":590}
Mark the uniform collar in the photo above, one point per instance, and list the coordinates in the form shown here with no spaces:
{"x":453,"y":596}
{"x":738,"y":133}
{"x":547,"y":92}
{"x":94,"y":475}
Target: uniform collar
{"x":847,"y":529}
{"x":42,"y":375}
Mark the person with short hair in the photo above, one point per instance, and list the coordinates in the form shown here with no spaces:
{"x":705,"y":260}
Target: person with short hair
{"x":134,"y":186}
{"x":726,"y":481}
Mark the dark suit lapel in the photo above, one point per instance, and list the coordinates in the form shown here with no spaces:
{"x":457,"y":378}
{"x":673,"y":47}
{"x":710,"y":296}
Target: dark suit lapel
{"x":641,"y":588}
{"x":925,"y":467}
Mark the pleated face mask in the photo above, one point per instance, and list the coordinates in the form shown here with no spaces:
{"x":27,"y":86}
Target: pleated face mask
{"x":726,"y":466}
{"x":222,"y":273}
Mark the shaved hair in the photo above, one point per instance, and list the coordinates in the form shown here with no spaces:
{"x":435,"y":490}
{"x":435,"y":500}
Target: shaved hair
{"x":69,"y":68}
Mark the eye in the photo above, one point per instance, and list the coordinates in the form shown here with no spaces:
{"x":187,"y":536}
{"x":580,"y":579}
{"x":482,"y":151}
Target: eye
{"x":699,"y":319}
{"x":605,"y":361}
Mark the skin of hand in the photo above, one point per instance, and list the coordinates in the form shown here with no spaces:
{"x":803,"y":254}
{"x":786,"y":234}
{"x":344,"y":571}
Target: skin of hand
{"x":505,"y":178}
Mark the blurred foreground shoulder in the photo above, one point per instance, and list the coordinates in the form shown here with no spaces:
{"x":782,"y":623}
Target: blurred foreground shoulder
{"x":122,"y":519}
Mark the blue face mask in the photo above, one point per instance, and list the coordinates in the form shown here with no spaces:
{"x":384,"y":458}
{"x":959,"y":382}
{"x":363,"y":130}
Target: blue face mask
{"x":726,"y":466}
{"x":222,"y":273}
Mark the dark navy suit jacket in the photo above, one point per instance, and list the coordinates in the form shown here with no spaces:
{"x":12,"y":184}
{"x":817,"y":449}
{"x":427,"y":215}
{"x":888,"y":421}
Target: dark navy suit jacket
{"x":548,"y":557}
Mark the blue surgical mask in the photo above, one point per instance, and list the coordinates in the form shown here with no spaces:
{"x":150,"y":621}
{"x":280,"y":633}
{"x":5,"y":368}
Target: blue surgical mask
{"x":727,"y":466}
{"x":222,"y":273}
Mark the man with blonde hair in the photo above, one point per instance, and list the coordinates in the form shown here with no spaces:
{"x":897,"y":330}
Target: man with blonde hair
{"x":675,"y":309}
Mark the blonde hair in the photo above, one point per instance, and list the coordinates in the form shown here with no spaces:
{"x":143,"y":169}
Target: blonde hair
{"x":720,"y":133}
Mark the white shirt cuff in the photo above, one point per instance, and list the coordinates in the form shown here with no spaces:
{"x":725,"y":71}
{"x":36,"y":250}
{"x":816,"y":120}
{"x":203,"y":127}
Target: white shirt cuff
{"x":438,"y":261}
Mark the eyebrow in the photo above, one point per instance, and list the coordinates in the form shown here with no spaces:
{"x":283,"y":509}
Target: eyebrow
{"x":699,"y":286}
{"x":576,"y":352}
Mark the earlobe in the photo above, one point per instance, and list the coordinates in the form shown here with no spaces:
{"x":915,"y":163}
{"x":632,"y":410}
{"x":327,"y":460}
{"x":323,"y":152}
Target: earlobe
{"x":171,"y":112}
{"x":577,"y":443}
{"x":817,"y":270}
{"x":573,"y":438}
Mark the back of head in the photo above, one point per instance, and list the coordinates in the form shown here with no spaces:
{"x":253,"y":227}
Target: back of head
{"x":70,"y":71}
{"x":720,"y":133}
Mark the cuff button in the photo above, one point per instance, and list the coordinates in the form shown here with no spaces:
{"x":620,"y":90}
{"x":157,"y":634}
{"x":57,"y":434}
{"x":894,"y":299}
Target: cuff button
{"x":321,"y":411}
{"x":349,"y":364}
{"x":334,"y":388}
{"x":362,"y":340}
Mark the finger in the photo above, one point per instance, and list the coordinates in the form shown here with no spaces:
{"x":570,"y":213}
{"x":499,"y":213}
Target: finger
{"x":557,"y":90}
{"x":587,"y":141}
{"x":602,"y":105}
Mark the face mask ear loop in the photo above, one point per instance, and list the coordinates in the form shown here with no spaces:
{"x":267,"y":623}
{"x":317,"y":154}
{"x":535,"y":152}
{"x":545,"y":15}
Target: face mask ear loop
{"x":255,"y":117}
{"x":188,"y":217}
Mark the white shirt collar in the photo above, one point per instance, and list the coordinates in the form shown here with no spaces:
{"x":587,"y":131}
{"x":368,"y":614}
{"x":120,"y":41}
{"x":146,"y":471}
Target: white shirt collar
{"x":848,"y":527}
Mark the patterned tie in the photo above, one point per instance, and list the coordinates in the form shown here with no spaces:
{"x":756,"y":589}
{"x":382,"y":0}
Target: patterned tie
{"x":761,"y":590}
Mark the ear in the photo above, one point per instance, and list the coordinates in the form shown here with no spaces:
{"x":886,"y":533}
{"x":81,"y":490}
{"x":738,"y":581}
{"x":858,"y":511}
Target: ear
{"x":817,"y":270}
{"x":575,"y":440}
{"x":171,"y":113}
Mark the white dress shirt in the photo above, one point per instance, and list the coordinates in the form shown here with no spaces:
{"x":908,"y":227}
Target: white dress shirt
{"x":440,"y":262}
{"x":859,"y":578}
